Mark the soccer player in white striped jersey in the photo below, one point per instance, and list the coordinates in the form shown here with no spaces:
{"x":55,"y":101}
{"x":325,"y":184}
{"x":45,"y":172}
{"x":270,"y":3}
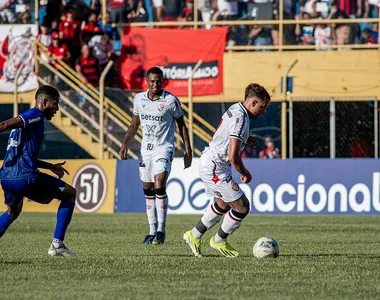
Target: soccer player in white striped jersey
{"x":224,"y":150}
{"x":157,"y":111}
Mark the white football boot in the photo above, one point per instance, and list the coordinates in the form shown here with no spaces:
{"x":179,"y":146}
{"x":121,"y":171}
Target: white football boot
{"x":61,"y":251}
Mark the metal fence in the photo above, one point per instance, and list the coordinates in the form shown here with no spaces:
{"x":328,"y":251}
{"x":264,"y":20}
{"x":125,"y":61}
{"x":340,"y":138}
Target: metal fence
{"x":336,"y":127}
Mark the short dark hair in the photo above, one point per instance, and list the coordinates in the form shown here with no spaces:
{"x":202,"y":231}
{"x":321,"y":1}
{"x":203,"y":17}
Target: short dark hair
{"x":156,"y":71}
{"x":258,"y":91}
{"x":47,"y":91}
{"x":367,"y":30}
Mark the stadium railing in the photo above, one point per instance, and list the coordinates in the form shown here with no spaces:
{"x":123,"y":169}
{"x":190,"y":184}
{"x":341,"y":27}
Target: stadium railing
{"x":119,"y":114}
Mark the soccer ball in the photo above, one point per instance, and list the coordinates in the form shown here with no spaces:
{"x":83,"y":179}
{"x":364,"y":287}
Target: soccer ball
{"x":266,"y":247}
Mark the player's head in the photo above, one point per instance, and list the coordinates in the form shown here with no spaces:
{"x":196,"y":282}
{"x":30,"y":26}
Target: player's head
{"x":155,"y":79}
{"x":47,"y":100}
{"x":256,"y":99}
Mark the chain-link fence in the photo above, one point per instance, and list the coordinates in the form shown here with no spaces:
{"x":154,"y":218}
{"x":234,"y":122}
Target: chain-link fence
{"x":336,"y":129}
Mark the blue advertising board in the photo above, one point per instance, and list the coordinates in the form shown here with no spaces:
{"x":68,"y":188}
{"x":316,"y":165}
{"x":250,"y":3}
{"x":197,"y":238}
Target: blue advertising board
{"x":297,"y":186}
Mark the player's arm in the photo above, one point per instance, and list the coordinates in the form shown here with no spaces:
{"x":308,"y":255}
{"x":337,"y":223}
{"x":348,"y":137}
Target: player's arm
{"x":188,"y":157}
{"x":130,"y":134}
{"x":11,"y":124}
{"x":236,"y":161}
{"x":57,"y":169}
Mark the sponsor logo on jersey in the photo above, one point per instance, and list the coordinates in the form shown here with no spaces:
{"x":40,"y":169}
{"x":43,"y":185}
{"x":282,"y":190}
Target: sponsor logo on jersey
{"x":30,"y":121}
{"x":152,"y":118}
{"x":151,"y":128}
{"x":160,"y":107}
{"x":229,"y":114}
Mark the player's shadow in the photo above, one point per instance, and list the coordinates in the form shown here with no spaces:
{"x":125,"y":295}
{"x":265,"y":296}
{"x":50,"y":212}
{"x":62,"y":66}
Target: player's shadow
{"x":16,"y":262}
{"x":332,"y":255}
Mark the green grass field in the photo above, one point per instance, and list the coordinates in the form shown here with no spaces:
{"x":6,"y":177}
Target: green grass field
{"x":320,"y":258}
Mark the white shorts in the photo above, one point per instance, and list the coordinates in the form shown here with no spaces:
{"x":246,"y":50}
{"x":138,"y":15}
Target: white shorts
{"x":158,"y":3}
{"x":155,"y":163}
{"x":218,"y":180}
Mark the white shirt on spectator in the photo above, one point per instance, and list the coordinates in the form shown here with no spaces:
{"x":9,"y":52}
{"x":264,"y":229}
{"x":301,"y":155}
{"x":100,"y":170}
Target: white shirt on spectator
{"x":322,"y":37}
{"x":99,"y":50}
{"x":230,"y":6}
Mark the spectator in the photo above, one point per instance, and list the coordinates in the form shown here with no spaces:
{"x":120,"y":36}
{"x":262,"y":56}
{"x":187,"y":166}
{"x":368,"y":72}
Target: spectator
{"x":117,"y":10}
{"x":96,"y":6}
{"x":262,"y":35}
{"x":270,"y":151}
{"x":137,"y":11}
{"x":44,"y":37}
{"x":108,"y":29}
{"x":58,"y":51}
{"x":229,"y":8}
{"x":6,"y":12}
{"x":173,"y":9}
{"x":25,"y":18}
{"x":248,"y":152}
{"x":91,"y":28}
{"x":158,"y":10}
{"x":69,"y":33}
{"x":187,"y":13}
{"x":87,"y":67}
{"x":340,"y":32}
{"x":310,"y":7}
{"x":102,"y":49}
{"x":367,"y":37}
{"x":304,"y":33}
{"x":375,"y":31}
{"x":322,"y":36}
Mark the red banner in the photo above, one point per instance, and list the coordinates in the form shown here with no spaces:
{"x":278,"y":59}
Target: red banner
{"x":176,"y":52}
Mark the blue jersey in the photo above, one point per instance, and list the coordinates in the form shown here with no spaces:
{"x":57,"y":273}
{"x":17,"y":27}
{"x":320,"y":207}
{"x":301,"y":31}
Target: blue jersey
{"x":23,"y":146}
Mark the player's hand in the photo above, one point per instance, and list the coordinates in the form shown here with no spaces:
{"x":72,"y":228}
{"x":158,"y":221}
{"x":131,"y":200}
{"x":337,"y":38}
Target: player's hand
{"x":187,"y":158}
{"x":252,"y":142}
{"x":124,"y":151}
{"x":59,"y":170}
{"x":246,"y":178}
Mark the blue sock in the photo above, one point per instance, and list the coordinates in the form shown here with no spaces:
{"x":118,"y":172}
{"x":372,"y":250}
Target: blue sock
{"x":64,"y":214}
{"x":5,"y":221}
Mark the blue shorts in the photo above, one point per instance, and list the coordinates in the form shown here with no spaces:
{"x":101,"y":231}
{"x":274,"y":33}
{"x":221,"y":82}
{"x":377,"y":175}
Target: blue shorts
{"x":42,"y":189}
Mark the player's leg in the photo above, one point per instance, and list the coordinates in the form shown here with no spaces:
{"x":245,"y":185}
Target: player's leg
{"x":146,"y":177}
{"x":161,"y":206}
{"x":150,"y":199}
{"x":210,"y":218}
{"x":13,"y":195}
{"x":7,"y":218}
{"x":231,"y":222}
{"x":44,"y":190}
{"x":161,"y":170}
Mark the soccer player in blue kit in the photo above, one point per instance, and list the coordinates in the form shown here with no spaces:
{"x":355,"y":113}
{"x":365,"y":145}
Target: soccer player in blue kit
{"x":20,"y":176}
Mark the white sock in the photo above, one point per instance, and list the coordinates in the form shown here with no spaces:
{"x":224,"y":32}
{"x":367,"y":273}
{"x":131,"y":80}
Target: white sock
{"x":212,"y":216}
{"x":151,"y":213}
{"x":231,"y":222}
{"x":162,"y":209}
{"x":57,"y":243}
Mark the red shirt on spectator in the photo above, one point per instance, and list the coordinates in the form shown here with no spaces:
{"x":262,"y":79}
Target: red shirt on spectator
{"x":59,"y":52}
{"x":90,"y":69}
{"x":117,"y":4}
{"x":90,"y":30}
{"x":70,"y":30}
